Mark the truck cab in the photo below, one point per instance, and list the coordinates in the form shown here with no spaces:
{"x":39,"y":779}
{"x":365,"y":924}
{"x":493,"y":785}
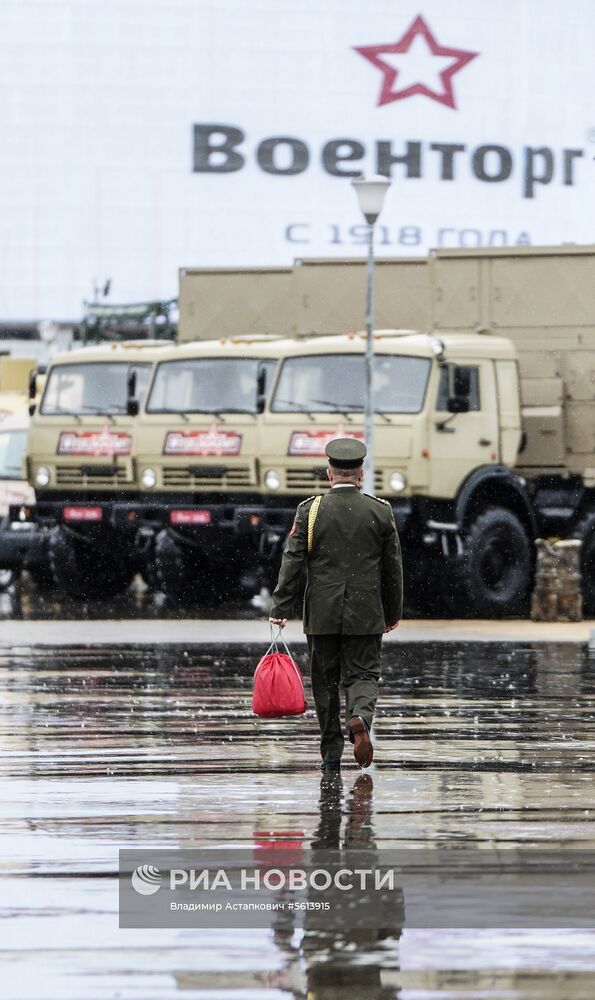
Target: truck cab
{"x":422,"y":445}
{"x":448,"y":420}
{"x":197,"y":453}
{"x":81,"y":460}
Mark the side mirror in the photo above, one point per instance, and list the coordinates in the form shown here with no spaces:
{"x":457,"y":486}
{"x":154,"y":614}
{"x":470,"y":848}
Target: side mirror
{"x":132,"y":403}
{"x":32,"y":383}
{"x":261,"y":390}
{"x":32,"y":409}
{"x":457,"y":404}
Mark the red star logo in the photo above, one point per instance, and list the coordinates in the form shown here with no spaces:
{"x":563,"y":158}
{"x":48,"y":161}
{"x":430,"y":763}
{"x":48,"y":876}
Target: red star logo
{"x":418,"y":40}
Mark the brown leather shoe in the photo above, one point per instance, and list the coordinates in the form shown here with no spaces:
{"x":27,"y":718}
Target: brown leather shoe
{"x":363,"y":751}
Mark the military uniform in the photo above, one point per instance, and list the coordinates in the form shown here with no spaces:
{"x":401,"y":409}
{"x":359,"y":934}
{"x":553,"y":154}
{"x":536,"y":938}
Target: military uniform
{"x":354,"y":590}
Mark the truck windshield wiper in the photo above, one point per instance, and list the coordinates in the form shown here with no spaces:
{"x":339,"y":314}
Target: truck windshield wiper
{"x":61,"y":413}
{"x":185,"y":414}
{"x":111,"y":410}
{"x":342,"y":408}
{"x":99,"y":411}
{"x":238,"y":409}
{"x":225,"y":409}
{"x":301,"y":407}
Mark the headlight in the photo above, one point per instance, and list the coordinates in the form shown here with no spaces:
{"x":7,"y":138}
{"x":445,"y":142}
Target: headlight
{"x":397,"y":482}
{"x":148,"y":478}
{"x":42,"y":476}
{"x":272,"y":479}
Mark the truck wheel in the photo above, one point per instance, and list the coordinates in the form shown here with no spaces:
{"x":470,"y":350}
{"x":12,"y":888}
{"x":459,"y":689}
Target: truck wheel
{"x":179,"y":572}
{"x":493,"y":576}
{"x":585,"y":530}
{"x":149,"y":575}
{"x":86,"y":569}
{"x":145,"y":565}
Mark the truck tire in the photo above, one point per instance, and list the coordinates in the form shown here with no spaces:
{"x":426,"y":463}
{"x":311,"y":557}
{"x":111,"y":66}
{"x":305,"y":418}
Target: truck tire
{"x":149,"y":574}
{"x":86,"y":569}
{"x":145,"y":565}
{"x":7,"y":576}
{"x":585,"y":531}
{"x":492,"y":577}
{"x":179,"y":573}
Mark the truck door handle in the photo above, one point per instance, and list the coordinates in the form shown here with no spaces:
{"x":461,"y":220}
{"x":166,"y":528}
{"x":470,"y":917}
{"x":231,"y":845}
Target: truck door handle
{"x":484,"y":442}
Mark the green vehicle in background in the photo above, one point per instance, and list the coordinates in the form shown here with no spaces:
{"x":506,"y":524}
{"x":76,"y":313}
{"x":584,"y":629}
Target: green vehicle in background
{"x":104,"y":322}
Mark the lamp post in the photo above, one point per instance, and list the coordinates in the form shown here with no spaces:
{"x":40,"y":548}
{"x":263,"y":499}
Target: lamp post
{"x":370,"y":195}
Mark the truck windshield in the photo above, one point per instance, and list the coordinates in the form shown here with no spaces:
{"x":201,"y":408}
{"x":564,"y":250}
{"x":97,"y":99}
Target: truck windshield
{"x":336,"y":383}
{"x":92,"y":387}
{"x":208,"y":385}
{"x":12,"y":449}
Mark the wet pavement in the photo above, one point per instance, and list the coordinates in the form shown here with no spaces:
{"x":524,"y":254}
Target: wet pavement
{"x":36,"y":617}
{"x":25,"y":601}
{"x":108,"y":748}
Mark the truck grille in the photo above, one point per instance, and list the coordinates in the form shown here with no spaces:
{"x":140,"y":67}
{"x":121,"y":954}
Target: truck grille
{"x":315,"y":479}
{"x":74,"y":475}
{"x":227,"y":478}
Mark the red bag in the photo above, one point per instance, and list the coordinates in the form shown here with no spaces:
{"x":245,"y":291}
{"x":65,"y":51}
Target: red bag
{"x":278,"y":685}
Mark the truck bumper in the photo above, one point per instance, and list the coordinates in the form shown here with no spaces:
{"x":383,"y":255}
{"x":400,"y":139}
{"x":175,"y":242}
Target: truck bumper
{"x":132,"y":515}
{"x":188,"y":518}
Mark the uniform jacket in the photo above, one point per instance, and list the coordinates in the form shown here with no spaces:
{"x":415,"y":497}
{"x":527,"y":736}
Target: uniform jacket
{"x":355,"y":577}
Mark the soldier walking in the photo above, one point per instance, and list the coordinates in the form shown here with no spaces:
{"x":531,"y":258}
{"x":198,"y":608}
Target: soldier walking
{"x":350,"y":545}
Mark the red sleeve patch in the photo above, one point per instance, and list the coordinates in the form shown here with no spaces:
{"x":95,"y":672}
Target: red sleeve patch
{"x":293,"y":527}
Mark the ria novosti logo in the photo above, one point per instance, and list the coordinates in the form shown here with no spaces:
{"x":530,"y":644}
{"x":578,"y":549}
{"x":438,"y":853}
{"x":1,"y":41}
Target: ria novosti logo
{"x":146,"y":879}
{"x":416,"y":67}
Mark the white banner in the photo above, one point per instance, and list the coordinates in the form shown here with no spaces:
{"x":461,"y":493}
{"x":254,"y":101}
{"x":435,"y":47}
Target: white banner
{"x":144,"y":135}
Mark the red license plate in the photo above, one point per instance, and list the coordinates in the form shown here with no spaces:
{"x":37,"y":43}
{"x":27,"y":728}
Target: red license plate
{"x":82,"y":513}
{"x":190,"y":517}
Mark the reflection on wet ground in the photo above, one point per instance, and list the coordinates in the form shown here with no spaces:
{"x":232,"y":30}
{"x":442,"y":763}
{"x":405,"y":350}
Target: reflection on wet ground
{"x":118,"y":747}
{"x":25,"y":600}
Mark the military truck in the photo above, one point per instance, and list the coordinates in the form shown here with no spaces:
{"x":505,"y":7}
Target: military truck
{"x":21,"y":546}
{"x":15,"y":374}
{"x":427,"y":389}
{"x":197,"y":455}
{"x":80,"y":459}
{"x":502,"y":446}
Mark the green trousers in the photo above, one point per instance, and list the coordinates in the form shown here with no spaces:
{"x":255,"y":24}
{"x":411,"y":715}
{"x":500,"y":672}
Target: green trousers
{"x":351,"y":662}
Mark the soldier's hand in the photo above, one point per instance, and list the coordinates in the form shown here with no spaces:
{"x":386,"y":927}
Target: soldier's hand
{"x":281,"y":622}
{"x":391,"y":628}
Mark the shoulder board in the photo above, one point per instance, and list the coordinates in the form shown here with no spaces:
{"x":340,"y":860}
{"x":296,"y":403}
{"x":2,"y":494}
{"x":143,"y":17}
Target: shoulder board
{"x":307,"y":500}
{"x":379,"y":499}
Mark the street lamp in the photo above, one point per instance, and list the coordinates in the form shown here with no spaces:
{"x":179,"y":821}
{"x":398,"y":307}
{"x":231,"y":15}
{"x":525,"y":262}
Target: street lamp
{"x":370,"y":195}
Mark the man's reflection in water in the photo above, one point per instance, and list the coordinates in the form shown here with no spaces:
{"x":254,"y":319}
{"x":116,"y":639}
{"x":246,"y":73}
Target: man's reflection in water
{"x":340,"y":959}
